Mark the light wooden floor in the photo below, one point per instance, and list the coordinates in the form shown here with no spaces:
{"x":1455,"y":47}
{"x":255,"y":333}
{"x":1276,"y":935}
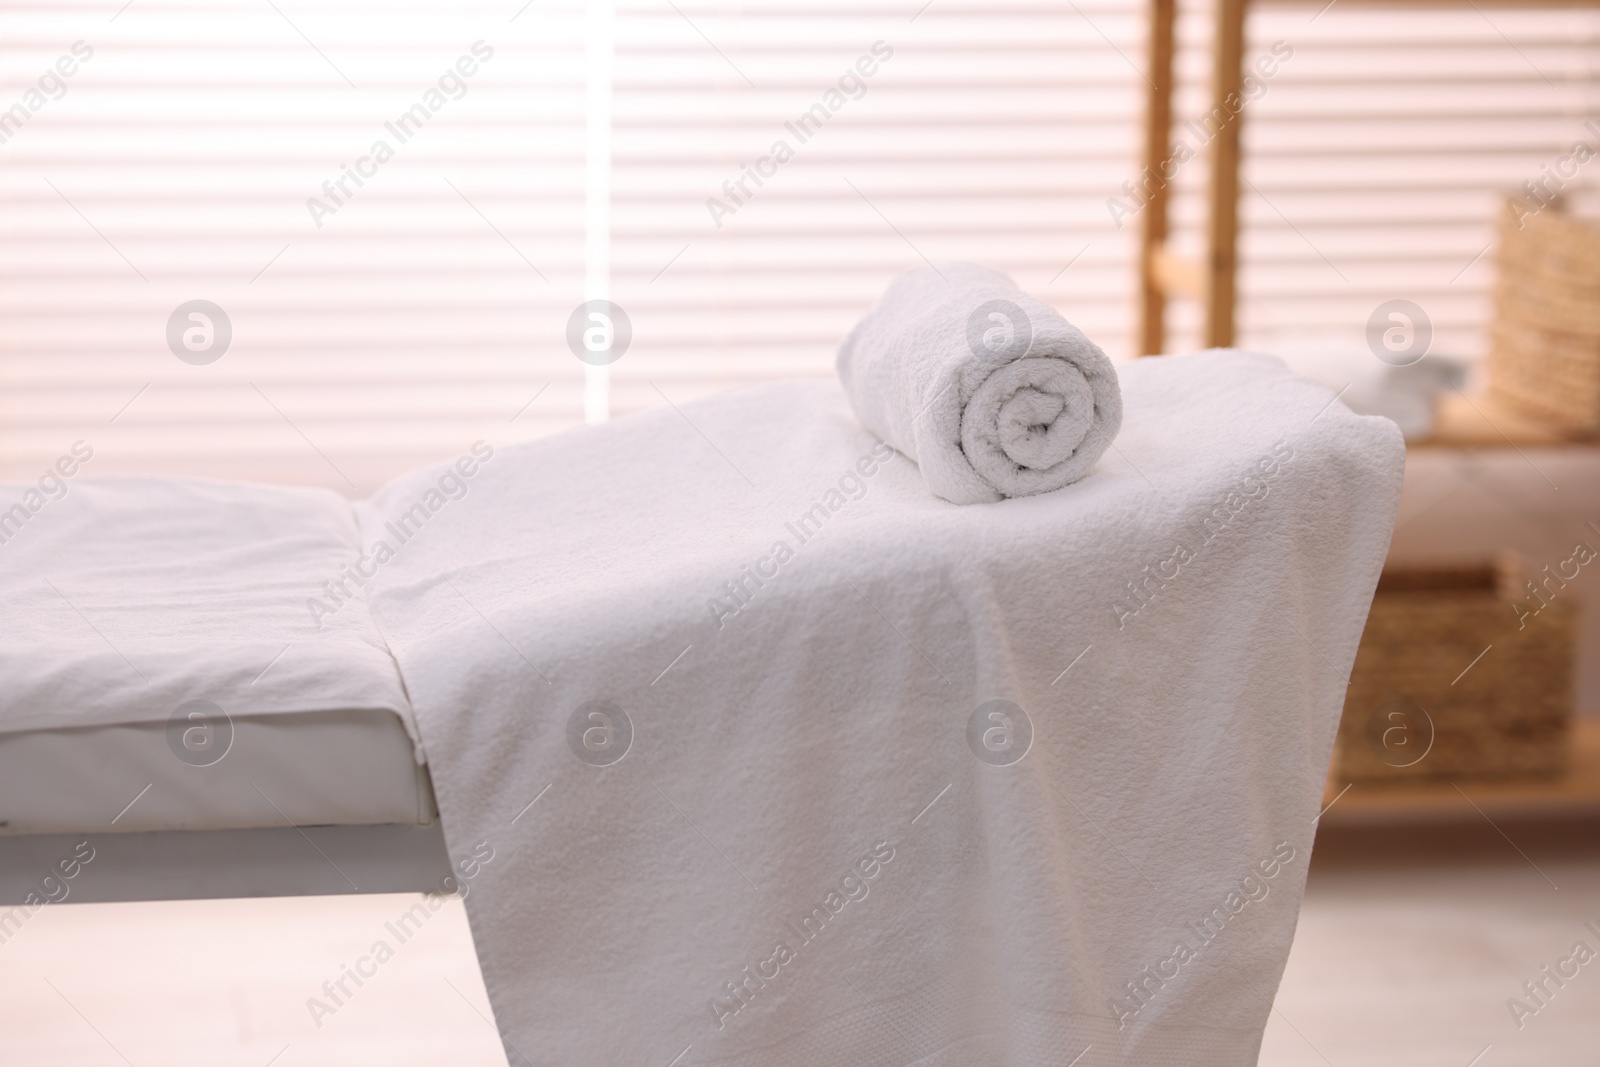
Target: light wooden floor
{"x":1413,"y":969}
{"x":1406,"y":968}
{"x":224,"y":983}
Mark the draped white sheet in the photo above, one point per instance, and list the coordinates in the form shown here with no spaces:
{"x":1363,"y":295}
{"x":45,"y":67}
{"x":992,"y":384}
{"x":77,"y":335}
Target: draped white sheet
{"x":818,"y":845}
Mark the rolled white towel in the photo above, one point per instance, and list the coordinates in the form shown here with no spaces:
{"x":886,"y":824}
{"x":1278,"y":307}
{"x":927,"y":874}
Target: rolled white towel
{"x":991,"y":392}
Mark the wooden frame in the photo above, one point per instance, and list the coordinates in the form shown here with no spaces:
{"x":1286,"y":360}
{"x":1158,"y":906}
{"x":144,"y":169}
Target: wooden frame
{"x":1163,"y":275}
{"x":1575,"y":794}
{"x":1213,"y":278}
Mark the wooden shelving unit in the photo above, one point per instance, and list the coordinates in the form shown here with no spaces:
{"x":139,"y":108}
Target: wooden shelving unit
{"x":1577,"y":795}
{"x":1210,"y":279}
{"x":1462,"y":421}
{"x":1479,"y":421}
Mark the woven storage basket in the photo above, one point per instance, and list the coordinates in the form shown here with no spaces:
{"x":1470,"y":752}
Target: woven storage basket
{"x":1412,"y":714}
{"x":1544,"y":342}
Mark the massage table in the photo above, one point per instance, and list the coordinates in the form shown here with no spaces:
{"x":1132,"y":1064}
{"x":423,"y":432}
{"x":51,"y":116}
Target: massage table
{"x":1013,"y":757}
{"x":129,"y":598}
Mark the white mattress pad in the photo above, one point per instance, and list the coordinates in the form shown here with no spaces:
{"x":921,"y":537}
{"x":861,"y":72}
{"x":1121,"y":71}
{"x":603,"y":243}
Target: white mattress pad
{"x":129,"y":597}
{"x":164,"y":669}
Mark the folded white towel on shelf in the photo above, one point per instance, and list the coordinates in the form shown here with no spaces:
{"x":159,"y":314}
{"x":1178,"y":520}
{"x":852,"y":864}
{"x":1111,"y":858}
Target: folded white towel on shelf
{"x":992,"y":393}
{"x":783,"y":762}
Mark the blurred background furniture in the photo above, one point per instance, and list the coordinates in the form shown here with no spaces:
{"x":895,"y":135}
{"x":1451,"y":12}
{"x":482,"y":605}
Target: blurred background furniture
{"x":1413,"y":712}
{"x":1463,"y":504}
{"x":1211,"y":279}
{"x":1483,"y":478}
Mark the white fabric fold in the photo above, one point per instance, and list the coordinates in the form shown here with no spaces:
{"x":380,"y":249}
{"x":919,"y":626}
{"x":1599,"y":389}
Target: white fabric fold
{"x":989,"y":391}
{"x":716,"y":690}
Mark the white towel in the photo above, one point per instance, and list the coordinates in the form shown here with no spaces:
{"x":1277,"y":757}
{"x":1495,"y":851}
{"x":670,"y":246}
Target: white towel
{"x":817,"y":847}
{"x":991,"y":392}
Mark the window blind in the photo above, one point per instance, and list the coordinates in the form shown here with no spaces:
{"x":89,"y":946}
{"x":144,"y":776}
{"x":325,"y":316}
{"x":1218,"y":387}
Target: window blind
{"x":742,"y":179}
{"x":390,"y":322}
{"x":384,"y":200}
{"x":1377,"y":160}
{"x":776,"y":164}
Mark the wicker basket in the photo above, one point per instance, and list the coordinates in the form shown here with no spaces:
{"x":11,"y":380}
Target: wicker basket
{"x":1415,"y":710}
{"x":1544,"y":342}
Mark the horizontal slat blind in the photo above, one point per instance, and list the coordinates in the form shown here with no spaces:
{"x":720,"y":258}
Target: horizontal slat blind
{"x":986,"y":131}
{"x":431,"y":308}
{"x":1378,"y":157}
{"x":423,"y":312}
